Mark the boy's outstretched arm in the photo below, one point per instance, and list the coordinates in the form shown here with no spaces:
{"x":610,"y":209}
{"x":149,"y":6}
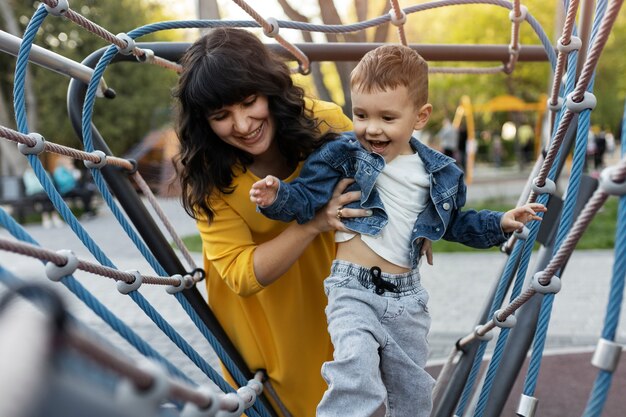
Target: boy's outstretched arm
{"x":515,"y":219}
{"x":263,"y":192}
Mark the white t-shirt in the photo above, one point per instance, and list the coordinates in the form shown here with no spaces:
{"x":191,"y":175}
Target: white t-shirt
{"x":404,"y":187}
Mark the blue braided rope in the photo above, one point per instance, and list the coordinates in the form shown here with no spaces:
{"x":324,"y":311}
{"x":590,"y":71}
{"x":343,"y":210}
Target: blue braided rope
{"x":25,"y":47}
{"x":567,"y":216}
{"x":597,"y":398}
{"x":504,"y":333}
{"x":143,"y":303}
{"x":136,"y":239}
{"x":498,"y":298}
{"x":17,"y":231}
{"x":355,"y":27}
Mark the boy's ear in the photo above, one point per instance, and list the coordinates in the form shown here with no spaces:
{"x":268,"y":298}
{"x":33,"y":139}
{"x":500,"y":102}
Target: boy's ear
{"x":423,"y":114}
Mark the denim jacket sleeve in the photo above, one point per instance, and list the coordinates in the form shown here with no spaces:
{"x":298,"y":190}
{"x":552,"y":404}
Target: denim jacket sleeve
{"x":478,"y":229}
{"x":301,"y":198}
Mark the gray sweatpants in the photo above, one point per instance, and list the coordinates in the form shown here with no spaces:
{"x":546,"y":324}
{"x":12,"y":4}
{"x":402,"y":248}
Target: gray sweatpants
{"x":380,"y":346}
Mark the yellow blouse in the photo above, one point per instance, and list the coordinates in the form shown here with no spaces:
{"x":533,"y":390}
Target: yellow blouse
{"x":280,"y":328}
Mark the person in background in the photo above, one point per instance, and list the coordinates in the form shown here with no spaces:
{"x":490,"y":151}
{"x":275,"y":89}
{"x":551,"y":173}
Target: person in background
{"x":241,"y":118}
{"x":33,"y":188}
{"x":71,"y":184}
{"x":449,"y":138}
{"x":377,"y":307}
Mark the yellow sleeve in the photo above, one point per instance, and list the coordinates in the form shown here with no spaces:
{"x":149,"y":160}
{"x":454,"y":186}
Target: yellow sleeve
{"x":329,"y":115}
{"x":229,"y":247}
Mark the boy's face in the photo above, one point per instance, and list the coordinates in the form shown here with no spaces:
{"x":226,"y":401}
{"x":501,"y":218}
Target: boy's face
{"x":385,"y":120}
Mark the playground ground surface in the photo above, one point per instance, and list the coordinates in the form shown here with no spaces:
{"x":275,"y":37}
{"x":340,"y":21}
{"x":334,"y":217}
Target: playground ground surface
{"x":458,"y":284}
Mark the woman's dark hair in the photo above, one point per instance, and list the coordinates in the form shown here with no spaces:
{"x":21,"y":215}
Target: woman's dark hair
{"x":223,"y":68}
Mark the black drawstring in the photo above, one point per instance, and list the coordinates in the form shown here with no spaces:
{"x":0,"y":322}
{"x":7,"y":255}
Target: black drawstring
{"x":380,"y":284}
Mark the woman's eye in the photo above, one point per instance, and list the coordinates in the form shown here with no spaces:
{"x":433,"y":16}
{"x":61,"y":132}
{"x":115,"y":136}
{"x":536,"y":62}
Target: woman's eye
{"x":249,"y":101}
{"x":217,"y":116}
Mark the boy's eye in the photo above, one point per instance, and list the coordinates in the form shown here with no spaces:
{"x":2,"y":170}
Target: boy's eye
{"x":388,"y":118}
{"x":359,"y":115}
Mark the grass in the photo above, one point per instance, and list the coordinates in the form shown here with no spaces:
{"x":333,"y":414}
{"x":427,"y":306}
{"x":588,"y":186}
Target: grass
{"x":599,"y":235}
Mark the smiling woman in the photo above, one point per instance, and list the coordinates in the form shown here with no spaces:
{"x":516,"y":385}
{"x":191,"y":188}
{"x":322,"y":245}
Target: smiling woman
{"x":241,"y":117}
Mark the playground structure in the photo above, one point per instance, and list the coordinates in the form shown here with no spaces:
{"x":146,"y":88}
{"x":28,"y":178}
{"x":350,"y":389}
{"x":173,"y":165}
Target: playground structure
{"x":466,"y":111}
{"x":522,"y":321}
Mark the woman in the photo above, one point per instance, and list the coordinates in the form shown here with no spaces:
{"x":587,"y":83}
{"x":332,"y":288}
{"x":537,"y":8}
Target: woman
{"x":240,"y":119}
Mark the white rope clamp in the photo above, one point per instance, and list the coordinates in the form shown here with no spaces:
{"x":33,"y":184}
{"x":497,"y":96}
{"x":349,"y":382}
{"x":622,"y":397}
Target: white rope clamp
{"x":509,"y":322}
{"x":523,"y":235}
{"x":397,"y":20}
{"x":587,"y":103}
{"x":193,"y":410}
{"x":248,"y":395}
{"x":552,"y":287}
{"x":523,"y":12}
{"x":548,"y":188}
{"x":232,"y":398}
{"x":273,"y":22}
{"x":97,"y":165}
{"x":173,"y":289}
{"x":485,"y":337}
{"x":147,"y":57}
{"x":125,"y":287}
{"x":60,"y":9}
{"x":130,"y":44}
{"x":556,"y":107}
{"x":527,"y":406}
{"x":132,"y":397}
{"x":606,"y":355}
{"x":574,"y":44}
{"x":256,"y":385}
{"x":56,"y":272}
{"x":610,"y":186}
{"x":36,"y":149}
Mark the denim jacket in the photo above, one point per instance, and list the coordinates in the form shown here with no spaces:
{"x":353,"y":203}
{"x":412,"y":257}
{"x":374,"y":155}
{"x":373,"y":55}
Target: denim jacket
{"x":344,"y":157}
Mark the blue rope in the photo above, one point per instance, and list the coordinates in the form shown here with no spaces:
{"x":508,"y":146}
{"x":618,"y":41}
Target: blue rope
{"x":567,"y":217}
{"x":504,"y":333}
{"x":25,"y":47}
{"x":92,"y":302}
{"x":498,"y":298}
{"x":597,"y":398}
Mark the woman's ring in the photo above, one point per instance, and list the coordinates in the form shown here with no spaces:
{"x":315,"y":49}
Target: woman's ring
{"x":339,"y":215}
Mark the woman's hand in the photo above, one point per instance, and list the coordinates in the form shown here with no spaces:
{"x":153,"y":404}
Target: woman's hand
{"x":329,"y":217}
{"x":427,"y":251}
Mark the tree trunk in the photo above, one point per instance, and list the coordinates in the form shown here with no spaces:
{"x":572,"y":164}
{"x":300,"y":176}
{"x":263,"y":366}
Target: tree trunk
{"x":12,"y":162}
{"x":318,"y":78}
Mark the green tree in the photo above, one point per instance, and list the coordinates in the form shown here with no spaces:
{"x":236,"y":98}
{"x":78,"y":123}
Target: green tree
{"x":143,"y":91}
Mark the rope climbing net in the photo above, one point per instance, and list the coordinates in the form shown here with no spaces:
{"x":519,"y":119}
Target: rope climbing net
{"x":570,"y":102}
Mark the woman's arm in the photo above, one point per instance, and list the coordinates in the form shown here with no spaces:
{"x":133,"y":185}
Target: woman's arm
{"x":247,"y":266}
{"x":274,"y":257}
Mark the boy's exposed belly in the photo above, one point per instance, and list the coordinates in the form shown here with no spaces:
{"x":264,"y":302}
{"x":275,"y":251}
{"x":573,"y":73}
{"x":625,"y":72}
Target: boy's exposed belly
{"x":357,"y":252}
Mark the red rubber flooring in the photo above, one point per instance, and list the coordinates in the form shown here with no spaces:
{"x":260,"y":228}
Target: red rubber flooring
{"x":565,"y":382}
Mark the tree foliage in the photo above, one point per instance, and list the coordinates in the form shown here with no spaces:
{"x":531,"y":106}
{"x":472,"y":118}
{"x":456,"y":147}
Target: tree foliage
{"x":143,"y":91}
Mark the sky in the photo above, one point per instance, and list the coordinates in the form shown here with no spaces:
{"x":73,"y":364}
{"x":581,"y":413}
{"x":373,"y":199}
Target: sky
{"x":186,"y":9}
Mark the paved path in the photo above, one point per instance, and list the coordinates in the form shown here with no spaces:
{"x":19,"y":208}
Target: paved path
{"x":458,"y":284}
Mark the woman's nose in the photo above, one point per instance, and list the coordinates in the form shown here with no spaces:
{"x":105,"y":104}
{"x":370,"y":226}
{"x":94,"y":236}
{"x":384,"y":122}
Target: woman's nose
{"x":241,"y":122}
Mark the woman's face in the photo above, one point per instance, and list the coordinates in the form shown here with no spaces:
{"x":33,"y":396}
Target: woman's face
{"x":247,"y":125}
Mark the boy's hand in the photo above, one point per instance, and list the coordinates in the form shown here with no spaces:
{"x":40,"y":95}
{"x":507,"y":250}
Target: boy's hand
{"x":427,"y":250}
{"x":516,"y":219}
{"x":263,"y":192}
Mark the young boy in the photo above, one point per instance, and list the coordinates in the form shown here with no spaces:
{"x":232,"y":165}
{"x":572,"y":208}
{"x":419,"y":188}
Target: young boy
{"x":377,"y":315}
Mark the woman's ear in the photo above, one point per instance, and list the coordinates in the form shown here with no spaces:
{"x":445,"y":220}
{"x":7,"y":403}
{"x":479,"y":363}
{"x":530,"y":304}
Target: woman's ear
{"x":423,"y":115}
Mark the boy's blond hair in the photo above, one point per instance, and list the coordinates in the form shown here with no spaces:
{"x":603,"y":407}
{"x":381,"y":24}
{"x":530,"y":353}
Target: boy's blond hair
{"x":390,"y":66}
